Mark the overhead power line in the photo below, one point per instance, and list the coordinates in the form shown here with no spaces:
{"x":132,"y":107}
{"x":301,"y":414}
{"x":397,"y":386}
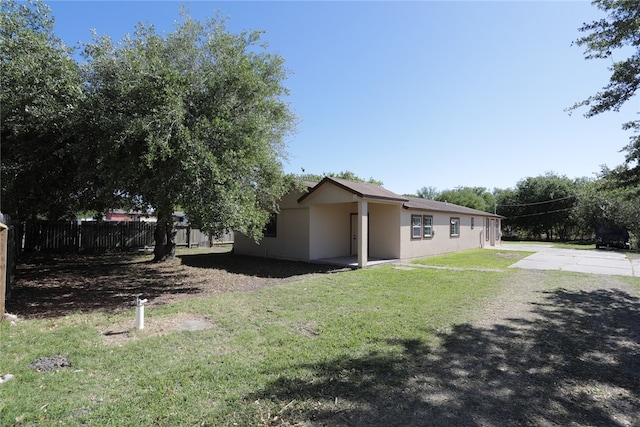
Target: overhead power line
{"x":538,"y":203}
{"x":540,"y":213}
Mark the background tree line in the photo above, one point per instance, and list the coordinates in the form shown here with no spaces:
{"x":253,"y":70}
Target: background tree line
{"x":553,"y":207}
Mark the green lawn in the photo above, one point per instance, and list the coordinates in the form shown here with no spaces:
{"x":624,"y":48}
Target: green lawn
{"x":561,"y":245}
{"x":222,"y":375}
{"x":476,"y":258}
{"x":582,"y":246}
{"x":366,"y":344}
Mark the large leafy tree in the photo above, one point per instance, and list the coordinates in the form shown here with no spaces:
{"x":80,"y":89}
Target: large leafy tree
{"x":539,"y":205}
{"x":40,"y":91}
{"x":471,"y":197}
{"x":619,"y":31}
{"x":427,"y":192}
{"x":603,"y":203}
{"x":195,"y":119}
{"x":348,"y":175}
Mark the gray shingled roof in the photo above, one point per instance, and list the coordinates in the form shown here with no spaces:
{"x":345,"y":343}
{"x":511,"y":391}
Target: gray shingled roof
{"x":432,"y":205}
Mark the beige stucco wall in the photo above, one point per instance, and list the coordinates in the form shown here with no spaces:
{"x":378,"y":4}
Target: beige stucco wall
{"x":328,"y":194}
{"x":384,"y":230}
{"x":290,"y":200}
{"x":291,"y":241}
{"x":330,"y":226}
{"x":292,"y":235}
{"x":442,"y":242}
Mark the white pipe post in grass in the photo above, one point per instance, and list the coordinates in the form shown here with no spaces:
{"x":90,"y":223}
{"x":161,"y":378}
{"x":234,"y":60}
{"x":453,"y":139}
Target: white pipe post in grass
{"x":140,"y":312}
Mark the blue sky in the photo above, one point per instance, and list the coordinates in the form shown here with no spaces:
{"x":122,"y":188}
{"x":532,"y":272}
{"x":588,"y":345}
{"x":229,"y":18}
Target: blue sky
{"x":414,"y":94}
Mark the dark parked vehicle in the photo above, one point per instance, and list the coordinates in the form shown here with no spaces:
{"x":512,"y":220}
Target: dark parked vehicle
{"x":612,"y":237}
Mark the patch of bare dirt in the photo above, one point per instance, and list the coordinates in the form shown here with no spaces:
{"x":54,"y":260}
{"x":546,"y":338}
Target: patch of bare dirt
{"x":120,"y":333}
{"x":520,"y":296}
{"x":52,"y":286}
{"x":50,"y":363}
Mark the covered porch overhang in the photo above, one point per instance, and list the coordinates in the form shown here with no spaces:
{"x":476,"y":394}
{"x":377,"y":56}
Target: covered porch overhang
{"x":352,"y":221}
{"x":357,"y":233}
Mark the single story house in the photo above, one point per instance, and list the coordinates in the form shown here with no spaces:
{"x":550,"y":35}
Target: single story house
{"x":336,"y":218}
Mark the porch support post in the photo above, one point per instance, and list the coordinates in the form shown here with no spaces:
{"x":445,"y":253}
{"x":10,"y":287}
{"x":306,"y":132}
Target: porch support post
{"x":363,"y":235}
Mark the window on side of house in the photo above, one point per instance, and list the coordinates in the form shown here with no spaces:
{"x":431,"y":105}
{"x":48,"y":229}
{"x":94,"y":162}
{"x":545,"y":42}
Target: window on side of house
{"x":271,"y":229}
{"x":454,"y":228}
{"x":487,"y":230}
{"x":472,"y":222}
{"x":416,"y":226}
{"x":427,"y":232}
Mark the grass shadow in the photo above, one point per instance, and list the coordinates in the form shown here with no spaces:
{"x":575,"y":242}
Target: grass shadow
{"x":577,"y":362}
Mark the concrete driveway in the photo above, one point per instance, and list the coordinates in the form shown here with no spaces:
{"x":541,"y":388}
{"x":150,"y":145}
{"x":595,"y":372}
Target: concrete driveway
{"x":581,"y":261}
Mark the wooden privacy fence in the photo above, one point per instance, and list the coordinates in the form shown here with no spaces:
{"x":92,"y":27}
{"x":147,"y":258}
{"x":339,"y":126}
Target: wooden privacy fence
{"x":94,"y":236}
{"x":8,"y":257}
{"x":12,"y":256}
{"x":51,"y":236}
{"x":104,"y":236}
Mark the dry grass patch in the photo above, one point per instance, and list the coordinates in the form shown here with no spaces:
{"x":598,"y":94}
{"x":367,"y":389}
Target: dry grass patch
{"x":125,"y":331}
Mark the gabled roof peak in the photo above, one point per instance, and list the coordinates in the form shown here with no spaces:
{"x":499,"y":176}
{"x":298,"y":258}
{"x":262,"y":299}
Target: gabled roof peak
{"x":364,"y":190}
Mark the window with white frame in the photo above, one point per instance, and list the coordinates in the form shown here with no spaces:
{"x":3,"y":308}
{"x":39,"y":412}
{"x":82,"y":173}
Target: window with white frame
{"x":427,"y":231}
{"x":416,"y":226}
{"x":454,"y":229}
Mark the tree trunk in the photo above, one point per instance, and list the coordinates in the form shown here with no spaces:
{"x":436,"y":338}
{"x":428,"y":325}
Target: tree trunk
{"x":165,"y":237}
